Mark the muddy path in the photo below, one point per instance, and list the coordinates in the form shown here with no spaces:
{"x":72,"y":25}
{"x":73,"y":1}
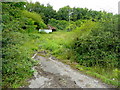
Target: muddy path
{"x":51,"y":73}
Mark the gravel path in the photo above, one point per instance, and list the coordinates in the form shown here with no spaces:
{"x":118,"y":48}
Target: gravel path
{"x":52,"y":73}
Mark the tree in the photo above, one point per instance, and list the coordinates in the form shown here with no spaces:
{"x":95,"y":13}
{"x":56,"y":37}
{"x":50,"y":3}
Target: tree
{"x":46,"y":12}
{"x":63,"y":13}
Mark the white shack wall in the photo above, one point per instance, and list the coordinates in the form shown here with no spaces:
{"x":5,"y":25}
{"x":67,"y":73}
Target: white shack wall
{"x":45,"y":30}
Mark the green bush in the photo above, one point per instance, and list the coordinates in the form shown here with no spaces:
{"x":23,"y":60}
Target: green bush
{"x":70,"y":27}
{"x":59,"y":24}
{"x":17,"y":46}
{"x":99,"y":47}
{"x":36,"y":17}
{"x":16,"y":61}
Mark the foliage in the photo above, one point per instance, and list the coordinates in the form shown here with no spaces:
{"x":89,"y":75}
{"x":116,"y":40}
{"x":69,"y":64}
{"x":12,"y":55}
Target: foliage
{"x":17,"y":45}
{"x":70,"y":27}
{"x":59,"y":24}
{"x":46,"y":12}
{"x":99,"y":47}
{"x":36,"y":17}
{"x":63,"y":13}
{"x":16,"y":60}
{"x":93,"y":41}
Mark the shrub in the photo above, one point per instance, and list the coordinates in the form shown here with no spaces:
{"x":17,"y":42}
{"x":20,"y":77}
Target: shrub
{"x":98,"y":47}
{"x":36,"y":17}
{"x":16,"y":60}
{"x":59,"y":24}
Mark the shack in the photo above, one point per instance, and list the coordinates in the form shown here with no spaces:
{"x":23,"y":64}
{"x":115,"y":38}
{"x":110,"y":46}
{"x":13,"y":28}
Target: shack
{"x":48,"y":30}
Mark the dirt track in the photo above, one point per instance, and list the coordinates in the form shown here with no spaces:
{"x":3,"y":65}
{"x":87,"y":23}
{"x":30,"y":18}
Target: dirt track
{"x":51,"y":73}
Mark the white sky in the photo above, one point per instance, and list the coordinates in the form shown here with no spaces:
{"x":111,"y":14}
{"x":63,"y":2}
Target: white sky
{"x":106,"y":5}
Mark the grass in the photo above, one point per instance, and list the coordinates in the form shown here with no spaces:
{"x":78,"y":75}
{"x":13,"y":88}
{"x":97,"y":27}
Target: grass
{"x":60,"y":43}
{"x":104,"y":76}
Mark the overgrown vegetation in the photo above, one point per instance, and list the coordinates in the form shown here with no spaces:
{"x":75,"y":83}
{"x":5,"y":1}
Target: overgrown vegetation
{"x":17,"y":45}
{"x":92,"y":42}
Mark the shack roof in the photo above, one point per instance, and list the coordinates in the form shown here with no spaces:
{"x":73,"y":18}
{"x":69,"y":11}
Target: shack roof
{"x":51,"y":27}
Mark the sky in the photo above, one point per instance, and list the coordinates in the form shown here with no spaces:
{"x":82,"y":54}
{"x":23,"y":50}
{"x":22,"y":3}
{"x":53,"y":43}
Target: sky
{"x":103,"y":5}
